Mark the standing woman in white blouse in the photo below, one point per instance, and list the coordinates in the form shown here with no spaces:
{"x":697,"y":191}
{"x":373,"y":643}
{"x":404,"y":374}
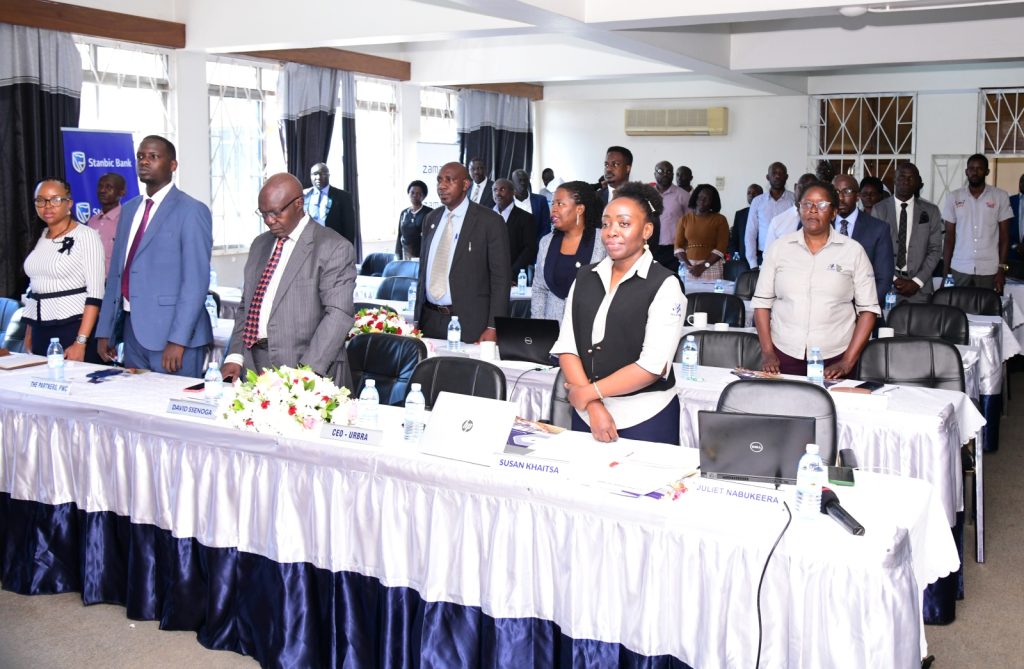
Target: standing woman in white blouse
{"x":65,"y":272}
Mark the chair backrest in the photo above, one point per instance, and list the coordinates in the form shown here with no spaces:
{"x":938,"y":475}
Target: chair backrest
{"x":746,"y":283}
{"x":909,"y":361}
{"x":387,"y":359}
{"x":402,"y":268}
{"x":561,"y":410}
{"x":519,"y":308}
{"x":7,"y":309}
{"x":465,"y":376}
{"x":930,"y":320}
{"x":395,"y":288}
{"x":371,"y":305}
{"x":725,"y":349}
{"x":374,"y":264}
{"x":786,"y":397}
{"x":733,"y":268}
{"x":720,"y":308}
{"x":14,"y":335}
{"x":973,"y":300}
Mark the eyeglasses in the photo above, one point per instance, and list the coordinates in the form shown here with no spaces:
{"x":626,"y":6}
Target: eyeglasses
{"x":54,"y":201}
{"x":661,"y":171}
{"x":822,"y":206}
{"x":848,"y":191}
{"x":276,"y":214}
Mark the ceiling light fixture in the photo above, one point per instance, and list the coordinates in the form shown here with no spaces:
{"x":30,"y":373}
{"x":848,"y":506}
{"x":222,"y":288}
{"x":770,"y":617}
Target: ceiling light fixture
{"x":853,"y":11}
{"x":889,"y":9}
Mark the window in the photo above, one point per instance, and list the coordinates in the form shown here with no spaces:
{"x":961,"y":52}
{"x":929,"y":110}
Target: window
{"x":245,"y":147}
{"x":437,"y":116}
{"x":125,"y":87}
{"x":1002,"y":130}
{"x":863,"y":135}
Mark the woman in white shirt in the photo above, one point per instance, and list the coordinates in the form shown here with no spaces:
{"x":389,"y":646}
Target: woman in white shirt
{"x":623,"y":319}
{"x":65,"y":271}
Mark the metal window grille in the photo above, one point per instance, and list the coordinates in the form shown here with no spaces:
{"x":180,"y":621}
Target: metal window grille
{"x":1002,"y":127}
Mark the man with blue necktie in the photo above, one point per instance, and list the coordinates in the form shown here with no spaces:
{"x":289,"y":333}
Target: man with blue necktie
{"x":329,"y":206}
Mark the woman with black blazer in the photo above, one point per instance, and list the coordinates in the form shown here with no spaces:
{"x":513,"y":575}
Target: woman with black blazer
{"x":410,"y":222}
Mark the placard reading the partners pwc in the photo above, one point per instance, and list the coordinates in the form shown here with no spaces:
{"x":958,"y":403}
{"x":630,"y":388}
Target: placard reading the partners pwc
{"x":48,"y":386}
{"x":192,"y":408}
{"x":352,"y":434}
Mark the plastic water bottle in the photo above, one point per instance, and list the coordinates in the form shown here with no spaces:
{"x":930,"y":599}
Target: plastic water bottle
{"x":55,"y":359}
{"x":369,"y":402}
{"x":213,"y":382}
{"x":521,"y":283}
{"x":816,"y":367}
{"x":454,"y":335}
{"x":211,"y":309}
{"x":948,"y":283}
{"x":213,"y":278}
{"x":890,"y":302}
{"x":410,"y":297}
{"x":719,"y":286}
{"x":415,"y":413}
{"x":690,"y":358}
{"x":810,"y":477}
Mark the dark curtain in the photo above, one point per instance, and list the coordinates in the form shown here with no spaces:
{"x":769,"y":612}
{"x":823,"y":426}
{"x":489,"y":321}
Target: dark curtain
{"x":306,"y":141}
{"x":350,"y":170}
{"x":496,"y":128}
{"x":40,"y":85}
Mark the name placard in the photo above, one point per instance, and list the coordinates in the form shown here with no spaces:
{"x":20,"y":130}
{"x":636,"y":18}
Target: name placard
{"x":193,"y":408}
{"x":48,"y":386}
{"x":749,"y":494}
{"x":353,"y":434}
{"x":527,"y":465}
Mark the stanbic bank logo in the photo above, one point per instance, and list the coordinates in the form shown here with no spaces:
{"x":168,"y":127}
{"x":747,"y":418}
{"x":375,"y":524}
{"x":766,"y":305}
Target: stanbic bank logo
{"x":78,"y":161}
{"x":83,"y":211}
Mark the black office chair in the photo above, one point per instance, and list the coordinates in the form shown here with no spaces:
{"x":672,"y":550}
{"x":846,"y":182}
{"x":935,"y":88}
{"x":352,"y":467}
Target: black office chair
{"x":786,"y":397}
{"x":395,"y":288}
{"x":733,"y":268}
{"x":370,"y":305}
{"x":402,"y":268}
{"x":387,"y":359}
{"x":913,"y":361}
{"x":941,"y":321}
{"x":14,"y":335}
{"x":720,"y":308}
{"x":746,"y":283}
{"x":374,"y":264}
{"x":561,"y":410}
{"x":8,"y":307}
{"x":519,"y":308}
{"x":465,"y":376}
{"x":725,"y":349}
{"x":972,"y":300}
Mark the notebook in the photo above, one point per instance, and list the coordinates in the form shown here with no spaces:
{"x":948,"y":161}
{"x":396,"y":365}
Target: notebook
{"x":527,"y":339}
{"x":752,"y":447}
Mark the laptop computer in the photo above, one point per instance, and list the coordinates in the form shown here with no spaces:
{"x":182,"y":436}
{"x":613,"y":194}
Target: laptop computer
{"x":752,"y":447}
{"x":527,"y":339}
{"x":467,"y":428}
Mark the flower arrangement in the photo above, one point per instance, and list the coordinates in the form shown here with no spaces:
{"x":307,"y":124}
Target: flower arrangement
{"x":381,"y":320}
{"x":283,"y":400}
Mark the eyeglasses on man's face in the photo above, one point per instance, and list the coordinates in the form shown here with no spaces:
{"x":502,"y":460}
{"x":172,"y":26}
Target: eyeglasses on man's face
{"x":267,"y":215}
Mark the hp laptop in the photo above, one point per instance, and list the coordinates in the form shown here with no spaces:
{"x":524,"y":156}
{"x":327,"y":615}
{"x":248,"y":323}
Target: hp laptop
{"x":527,"y":339}
{"x":752,"y":447}
{"x":467,"y":428}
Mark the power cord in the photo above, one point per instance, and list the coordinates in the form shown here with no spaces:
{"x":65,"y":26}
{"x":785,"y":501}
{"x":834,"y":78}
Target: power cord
{"x":760,"y":583}
{"x":516,"y":382}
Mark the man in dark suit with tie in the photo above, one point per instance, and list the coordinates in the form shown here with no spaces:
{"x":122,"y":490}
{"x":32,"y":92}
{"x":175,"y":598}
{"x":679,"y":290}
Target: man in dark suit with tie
{"x":1015,"y":258}
{"x":159,"y":273}
{"x":464,"y":270}
{"x":915,"y":226}
{"x":872,"y":233}
{"x":521,"y":228}
{"x":737,"y":240}
{"x":531,"y":203}
{"x":329,"y":206}
{"x":481,"y":190}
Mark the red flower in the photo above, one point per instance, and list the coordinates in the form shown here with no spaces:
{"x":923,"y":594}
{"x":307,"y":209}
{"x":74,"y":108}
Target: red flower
{"x":291,"y":411}
{"x":398,"y":330}
{"x":248,"y":422}
{"x":264,"y":404}
{"x":379,"y":325}
{"x":325,"y":399}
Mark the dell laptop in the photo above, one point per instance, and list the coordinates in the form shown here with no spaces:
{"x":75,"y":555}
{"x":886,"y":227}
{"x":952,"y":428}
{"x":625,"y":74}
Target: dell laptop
{"x":752,"y":447}
{"x":526,"y":339}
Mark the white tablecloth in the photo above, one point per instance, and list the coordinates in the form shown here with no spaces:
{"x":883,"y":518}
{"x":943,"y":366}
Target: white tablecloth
{"x":659,"y":577}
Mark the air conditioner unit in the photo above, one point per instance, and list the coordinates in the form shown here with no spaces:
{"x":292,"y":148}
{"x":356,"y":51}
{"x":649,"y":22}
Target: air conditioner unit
{"x":710,"y":121}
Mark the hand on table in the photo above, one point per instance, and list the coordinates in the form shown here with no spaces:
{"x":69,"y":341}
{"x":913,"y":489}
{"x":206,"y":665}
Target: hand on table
{"x":839,"y":370}
{"x":75,"y":352}
{"x":489,"y":334}
{"x":769,"y":362}
{"x":231,"y":371}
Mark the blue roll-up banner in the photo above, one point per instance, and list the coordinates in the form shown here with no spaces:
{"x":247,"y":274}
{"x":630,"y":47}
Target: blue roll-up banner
{"x":88,"y":155}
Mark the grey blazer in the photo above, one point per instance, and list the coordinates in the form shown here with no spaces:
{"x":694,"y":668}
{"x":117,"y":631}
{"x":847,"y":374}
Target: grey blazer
{"x":312,"y":311}
{"x":544,"y":303}
{"x":925,"y":250}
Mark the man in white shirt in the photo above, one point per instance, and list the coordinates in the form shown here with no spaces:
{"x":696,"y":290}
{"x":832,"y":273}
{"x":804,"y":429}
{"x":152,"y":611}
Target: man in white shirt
{"x":789,"y":220}
{"x":551,"y":182}
{"x":764,"y":208}
{"x":481,"y":188}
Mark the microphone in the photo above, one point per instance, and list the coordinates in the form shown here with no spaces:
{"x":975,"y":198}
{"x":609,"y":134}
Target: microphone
{"x":830,"y":505}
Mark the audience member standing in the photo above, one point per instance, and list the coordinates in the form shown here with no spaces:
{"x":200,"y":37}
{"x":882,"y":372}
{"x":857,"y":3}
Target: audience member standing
{"x":481,"y":191}
{"x":465,"y":269}
{"x":675,"y":201}
{"x":977,"y":220}
{"x":329,"y":206}
{"x":109,"y":191}
{"x":824,"y":172}
{"x":871,"y":233}
{"x":159,"y":273}
{"x":916,"y":230}
{"x":1016,"y":255}
{"x":684,"y":179}
{"x":764,"y":208}
{"x":703,"y":235}
{"x":520,"y":226}
{"x":65,"y":273}
{"x":789,"y":220}
{"x":872,"y":191}
{"x":550,"y":184}
{"x":618,"y":163}
{"x":737,"y":236}
{"x":410,"y":222}
{"x":533,"y":204}
{"x":296,"y":305}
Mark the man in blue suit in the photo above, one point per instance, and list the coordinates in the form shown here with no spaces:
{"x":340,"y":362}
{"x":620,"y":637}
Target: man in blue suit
{"x":1016,"y":256}
{"x":873,"y":234}
{"x":537,"y":205}
{"x":159,"y":273}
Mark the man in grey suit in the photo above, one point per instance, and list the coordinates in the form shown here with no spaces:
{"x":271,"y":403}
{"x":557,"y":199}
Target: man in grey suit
{"x":465,"y":266}
{"x":916,"y":227}
{"x":296,"y":306}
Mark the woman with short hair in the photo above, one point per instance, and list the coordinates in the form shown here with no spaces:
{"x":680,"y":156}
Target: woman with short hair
{"x":410,"y":222}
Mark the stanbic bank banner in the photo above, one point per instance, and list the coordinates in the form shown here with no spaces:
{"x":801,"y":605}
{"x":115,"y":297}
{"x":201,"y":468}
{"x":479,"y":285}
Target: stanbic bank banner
{"x":88,"y":155}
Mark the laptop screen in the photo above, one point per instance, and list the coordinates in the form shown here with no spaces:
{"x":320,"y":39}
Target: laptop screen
{"x":752,"y":447}
{"x":528,"y":339}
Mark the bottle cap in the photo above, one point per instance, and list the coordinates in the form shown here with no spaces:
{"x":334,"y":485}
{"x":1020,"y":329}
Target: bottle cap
{"x":813,"y":449}
{"x":370,"y":383}
{"x":416,"y":388}
{"x":54,"y":340}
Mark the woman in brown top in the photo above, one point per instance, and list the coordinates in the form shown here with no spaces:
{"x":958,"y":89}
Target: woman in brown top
{"x":702,"y":235}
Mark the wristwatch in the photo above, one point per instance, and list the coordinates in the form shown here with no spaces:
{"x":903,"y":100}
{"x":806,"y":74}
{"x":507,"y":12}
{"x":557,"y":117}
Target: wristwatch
{"x":81,"y":339}
{"x":1004,"y":267}
{"x":706,"y":264}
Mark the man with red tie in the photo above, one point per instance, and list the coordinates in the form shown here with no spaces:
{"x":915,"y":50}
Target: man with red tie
{"x":159,"y":273}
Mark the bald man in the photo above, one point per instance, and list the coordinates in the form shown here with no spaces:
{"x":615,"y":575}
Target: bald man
{"x":296,"y":306}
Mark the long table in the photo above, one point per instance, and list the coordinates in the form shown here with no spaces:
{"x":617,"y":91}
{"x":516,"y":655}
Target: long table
{"x":303,"y":552}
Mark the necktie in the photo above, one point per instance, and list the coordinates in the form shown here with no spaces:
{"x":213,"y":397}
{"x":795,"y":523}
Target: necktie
{"x":438,"y":281}
{"x":126,"y":274}
{"x":252,"y":320}
{"x":476,"y":193}
{"x":901,"y":238}
{"x":843,"y":227}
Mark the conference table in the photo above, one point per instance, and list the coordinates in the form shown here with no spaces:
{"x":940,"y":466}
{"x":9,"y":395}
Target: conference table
{"x":307,"y":552}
